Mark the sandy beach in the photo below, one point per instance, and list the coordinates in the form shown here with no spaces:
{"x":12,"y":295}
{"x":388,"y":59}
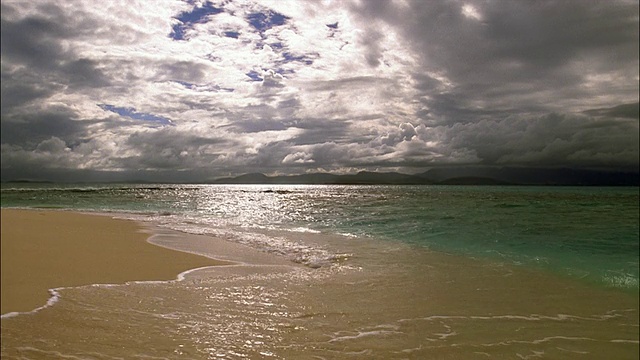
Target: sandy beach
{"x":43,"y":250}
{"x":388,"y":301}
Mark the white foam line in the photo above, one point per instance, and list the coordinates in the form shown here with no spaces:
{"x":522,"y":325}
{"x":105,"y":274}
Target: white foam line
{"x":623,"y":341}
{"x":572,"y":351}
{"x":532,"y":317}
{"x":299,"y":254}
{"x":52,"y":354}
{"x":153,"y":237}
{"x":541,"y":341}
{"x":364,"y":334}
{"x":55,"y":296}
{"x":55,"y":293}
{"x":556,"y":338}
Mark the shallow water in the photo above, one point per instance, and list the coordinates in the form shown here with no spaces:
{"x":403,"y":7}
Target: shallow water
{"x":588,"y":233}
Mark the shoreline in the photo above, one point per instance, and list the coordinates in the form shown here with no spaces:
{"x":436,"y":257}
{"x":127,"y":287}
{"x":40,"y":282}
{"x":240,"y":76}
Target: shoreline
{"x":387,"y":299}
{"x":46,"y":250}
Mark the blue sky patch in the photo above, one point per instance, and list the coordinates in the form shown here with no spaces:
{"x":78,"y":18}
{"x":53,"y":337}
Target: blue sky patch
{"x":232,"y":34}
{"x":195,"y":16}
{"x":206,"y":87}
{"x":254,"y":75}
{"x":277,"y":45}
{"x":188,"y":85}
{"x":306,"y":59}
{"x":133,"y":114}
{"x":282,"y":71}
{"x":266,"y":20}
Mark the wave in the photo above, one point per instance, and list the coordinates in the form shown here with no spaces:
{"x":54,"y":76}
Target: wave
{"x":626,"y":281}
{"x":55,"y":295}
{"x":89,"y":189}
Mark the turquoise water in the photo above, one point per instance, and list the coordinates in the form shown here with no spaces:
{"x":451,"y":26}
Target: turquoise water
{"x":588,"y":233}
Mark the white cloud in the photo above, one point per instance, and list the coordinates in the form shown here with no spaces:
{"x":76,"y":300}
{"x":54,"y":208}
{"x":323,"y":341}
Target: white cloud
{"x":470,"y":11}
{"x":52,"y":146}
{"x":298,"y":158}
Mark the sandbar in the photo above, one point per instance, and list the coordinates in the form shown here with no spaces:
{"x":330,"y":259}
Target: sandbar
{"x":43,"y":249}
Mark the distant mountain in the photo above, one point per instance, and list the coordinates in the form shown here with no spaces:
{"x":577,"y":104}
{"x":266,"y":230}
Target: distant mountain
{"x":317,"y":178}
{"x":537,"y":176}
{"x":469,"y":180}
{"x":361,"y":178}
{"x":391,"y":178}
{"x":24,"y":181}
{"x":452,"y":176}
{"x":253,"y":178}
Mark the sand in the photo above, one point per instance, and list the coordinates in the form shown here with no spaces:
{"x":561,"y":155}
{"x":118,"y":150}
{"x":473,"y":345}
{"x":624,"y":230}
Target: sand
{"x":44,"y":250}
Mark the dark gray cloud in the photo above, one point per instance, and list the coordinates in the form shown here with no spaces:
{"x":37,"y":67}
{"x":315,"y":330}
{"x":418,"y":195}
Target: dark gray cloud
{"x":504,"y":81}
{"x":19,"y":88}
{"x":526,"y":52}
{"x":629,"y":111}
{"x":170,"y":149}
{"x":37,"y":41}
{"x":36,"y":65}
{"x":550,"y":140}
{"x":187,"y":71}
{"x":30,"y":129}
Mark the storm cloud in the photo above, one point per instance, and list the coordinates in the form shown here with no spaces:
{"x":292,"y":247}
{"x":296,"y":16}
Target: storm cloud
{"x":194,"y":90}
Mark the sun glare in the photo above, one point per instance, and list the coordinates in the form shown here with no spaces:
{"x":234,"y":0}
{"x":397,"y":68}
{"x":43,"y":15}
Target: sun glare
{"x":470,"y":12}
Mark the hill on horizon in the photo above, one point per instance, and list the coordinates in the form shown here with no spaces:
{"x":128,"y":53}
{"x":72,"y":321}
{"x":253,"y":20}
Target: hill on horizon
{"x":451,"y":176}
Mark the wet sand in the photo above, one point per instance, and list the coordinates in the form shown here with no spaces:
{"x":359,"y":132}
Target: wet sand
{"x":44,"y":250}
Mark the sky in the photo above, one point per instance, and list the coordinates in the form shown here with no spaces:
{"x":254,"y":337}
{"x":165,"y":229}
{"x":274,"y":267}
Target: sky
{"x":195,"y":90}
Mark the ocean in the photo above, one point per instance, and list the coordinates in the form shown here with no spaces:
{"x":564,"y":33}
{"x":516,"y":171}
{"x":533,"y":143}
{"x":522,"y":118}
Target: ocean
{"x":380,"y":272}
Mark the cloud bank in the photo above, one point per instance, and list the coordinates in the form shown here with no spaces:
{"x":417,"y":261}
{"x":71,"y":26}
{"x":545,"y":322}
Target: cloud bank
{"x":203,"y":89}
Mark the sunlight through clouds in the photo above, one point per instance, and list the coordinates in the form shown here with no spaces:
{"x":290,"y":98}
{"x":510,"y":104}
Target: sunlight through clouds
{"x":469,"y":11}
